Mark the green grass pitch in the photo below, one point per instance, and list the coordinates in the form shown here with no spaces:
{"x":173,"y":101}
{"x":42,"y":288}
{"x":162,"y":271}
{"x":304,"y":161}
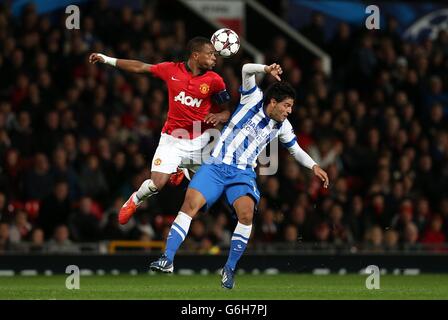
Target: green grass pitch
{"x":190,"y":287}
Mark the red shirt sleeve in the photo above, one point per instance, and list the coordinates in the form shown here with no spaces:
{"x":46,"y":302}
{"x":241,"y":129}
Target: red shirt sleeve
{"x":218,"y":84}
{"x":161,"y":70}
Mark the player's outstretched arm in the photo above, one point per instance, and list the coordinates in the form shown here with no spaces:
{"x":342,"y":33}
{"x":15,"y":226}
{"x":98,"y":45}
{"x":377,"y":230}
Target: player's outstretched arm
{"x":289,"y":140}
{"x":127,"y":65}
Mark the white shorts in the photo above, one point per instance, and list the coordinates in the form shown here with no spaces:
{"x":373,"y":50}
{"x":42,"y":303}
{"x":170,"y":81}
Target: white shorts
{"x":172,"y":153}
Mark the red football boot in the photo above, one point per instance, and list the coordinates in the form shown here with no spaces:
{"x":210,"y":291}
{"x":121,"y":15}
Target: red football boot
{"x":127,"y":210}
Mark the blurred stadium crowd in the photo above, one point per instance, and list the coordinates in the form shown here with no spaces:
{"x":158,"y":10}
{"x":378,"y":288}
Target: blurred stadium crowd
{"x":76,"y":139}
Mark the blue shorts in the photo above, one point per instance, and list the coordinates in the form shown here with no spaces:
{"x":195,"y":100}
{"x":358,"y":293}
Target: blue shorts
{"x":212,"y":180}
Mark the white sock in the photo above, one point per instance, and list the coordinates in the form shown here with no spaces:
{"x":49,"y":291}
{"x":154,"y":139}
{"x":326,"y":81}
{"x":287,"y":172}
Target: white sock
{"x":147,"y":189}
{"x":238,"y":244}
{"x":183,"y":220}
{"x":178,"y":232}
{"x":243,"y":230}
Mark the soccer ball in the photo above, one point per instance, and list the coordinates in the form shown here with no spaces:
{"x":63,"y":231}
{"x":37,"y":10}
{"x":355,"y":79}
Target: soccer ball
{"x":226,"y":42}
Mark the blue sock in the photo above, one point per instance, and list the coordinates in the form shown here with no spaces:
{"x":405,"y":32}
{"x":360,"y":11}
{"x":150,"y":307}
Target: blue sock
{"x":177,"y":234}
{"x":238,"y":244}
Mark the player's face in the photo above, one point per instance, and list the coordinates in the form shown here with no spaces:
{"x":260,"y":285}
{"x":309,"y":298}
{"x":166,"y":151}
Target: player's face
{"x":281,"y":109}
{"x":206,"y":58}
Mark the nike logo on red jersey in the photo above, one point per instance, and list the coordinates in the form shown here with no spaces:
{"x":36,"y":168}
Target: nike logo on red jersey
{"x":172,"y":78}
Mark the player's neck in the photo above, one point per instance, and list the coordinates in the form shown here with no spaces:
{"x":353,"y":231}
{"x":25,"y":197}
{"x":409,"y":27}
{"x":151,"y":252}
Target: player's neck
{"x":193,"y":68}
{"x":267,"y":109}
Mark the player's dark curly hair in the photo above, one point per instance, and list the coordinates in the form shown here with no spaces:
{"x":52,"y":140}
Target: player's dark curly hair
{"x":196,"y":44}
{"x":280,"y":91}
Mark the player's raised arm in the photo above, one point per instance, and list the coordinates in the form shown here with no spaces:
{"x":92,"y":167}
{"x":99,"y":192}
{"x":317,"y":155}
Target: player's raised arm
{"x":251,"y":69}
{"x":127,"y":65}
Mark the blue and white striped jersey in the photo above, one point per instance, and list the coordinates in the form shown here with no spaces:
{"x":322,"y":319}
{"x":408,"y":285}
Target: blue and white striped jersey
{"x":248,"y":132}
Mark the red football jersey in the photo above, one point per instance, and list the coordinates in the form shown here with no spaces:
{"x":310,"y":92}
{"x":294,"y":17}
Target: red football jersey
{"x":190,"y":97}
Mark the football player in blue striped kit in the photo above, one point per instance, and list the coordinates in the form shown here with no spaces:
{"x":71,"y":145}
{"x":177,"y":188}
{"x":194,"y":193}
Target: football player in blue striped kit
{"x":257,"y":120}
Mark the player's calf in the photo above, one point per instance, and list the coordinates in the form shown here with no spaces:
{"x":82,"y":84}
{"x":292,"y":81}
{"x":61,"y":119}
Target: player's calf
{"x":147,"y":189}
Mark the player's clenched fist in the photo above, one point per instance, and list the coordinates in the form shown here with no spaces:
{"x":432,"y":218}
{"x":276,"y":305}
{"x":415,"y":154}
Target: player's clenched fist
{"x":99,"y":57}
{"x":96,"y":57}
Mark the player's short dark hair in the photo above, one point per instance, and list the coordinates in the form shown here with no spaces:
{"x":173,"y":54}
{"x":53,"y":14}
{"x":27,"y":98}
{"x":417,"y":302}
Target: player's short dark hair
{"x":279,"y":91}
{"x":196,"y":44}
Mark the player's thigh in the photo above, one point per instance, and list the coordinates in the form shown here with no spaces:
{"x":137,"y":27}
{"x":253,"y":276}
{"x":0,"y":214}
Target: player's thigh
{"x":195,"y":153}
{"x":244,"y":207}
{"x":190,"y":167}
{"x":242,"y":194}
{"x":209,"y":182}
{"x":242,"y":183}
{"x":167,"y":156}
{"x":192,"y":160}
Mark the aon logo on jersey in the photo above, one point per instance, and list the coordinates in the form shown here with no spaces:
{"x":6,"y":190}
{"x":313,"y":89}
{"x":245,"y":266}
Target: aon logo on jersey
{"x":187,"y":100}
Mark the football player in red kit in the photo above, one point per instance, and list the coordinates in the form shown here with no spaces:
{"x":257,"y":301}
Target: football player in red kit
{"x":194,"y":94}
